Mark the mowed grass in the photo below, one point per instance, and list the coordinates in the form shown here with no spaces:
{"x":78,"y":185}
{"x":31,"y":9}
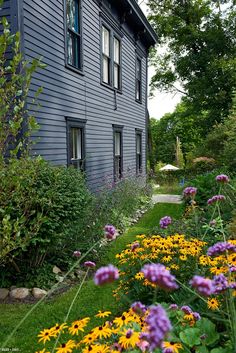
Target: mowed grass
{"x":90,"y":300}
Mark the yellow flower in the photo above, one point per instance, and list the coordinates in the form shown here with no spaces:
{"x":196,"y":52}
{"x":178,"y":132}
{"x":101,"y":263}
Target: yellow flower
{"x":212,"y":303}
{"x":88,"y":339}
{"x":42,"y":351}
{"x":102,"y":314}
{"x":139,"y":276}
{"x":167,"y":258}
{"x":129,"y":339}
{"x":218,"y":270}
{"x":183,"y":257}
{"x":58,"y":328}
{"x":102,"y":331}
{"x":174,"y":346}
{"x":123,"y":320}
{"x":46,"y":335}
{"x":66,"y":347}
{"x":78,"y":325}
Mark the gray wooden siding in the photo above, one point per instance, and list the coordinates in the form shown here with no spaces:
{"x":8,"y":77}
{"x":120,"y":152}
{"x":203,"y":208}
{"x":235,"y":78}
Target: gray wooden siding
{"x":69,"y":94}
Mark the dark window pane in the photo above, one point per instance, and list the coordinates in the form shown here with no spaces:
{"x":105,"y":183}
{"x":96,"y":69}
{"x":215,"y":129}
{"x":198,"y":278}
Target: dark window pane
{"x":72,"y":15}
{"x":73,"y":49}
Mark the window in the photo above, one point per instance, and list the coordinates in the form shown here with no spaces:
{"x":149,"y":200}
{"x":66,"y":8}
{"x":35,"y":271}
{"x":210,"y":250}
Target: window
{"x":138,"y":86}
{"x":138,"y":152}
{"x":118,"y":154}
{"x":111,"y":58}
{"x":75,"y":132}
{"x":74,"y":37}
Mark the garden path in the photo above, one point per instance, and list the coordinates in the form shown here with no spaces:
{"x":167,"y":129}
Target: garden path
{"x":165,"y":198}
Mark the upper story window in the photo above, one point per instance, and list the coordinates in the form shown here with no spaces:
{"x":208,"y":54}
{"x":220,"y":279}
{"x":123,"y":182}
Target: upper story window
{"x":76,"y":145}
{"x":74,"y":36}
{"x":138,"y":80}
{"x":111,"y":58}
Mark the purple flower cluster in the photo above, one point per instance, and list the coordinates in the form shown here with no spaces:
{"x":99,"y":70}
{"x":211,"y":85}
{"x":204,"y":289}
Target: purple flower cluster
{"x":173,"y":307}
{"x":158,"y":327}
{"x":106,"y":274}
{"x":215,"y":198}
{"x":165,"y":222}
{"x":138,"y":308}
{"x":220,"y":248}
{"x":222,"y":178}
{"x":204,"y":286}
{"x":232,"y":269}
{"x":135,"y":245}
{"x":158,"y":274}
{"x":220,"y":283}
{"x":167,"y":350}
{"x":110,"y":232}
{"x":190,"y":191}
{"x":187,"y":310}
{"x":89,"y":264}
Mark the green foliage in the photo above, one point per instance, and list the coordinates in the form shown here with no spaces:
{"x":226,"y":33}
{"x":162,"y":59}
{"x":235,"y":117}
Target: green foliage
{"x":199,"y":56}
{"x":16,"y":124}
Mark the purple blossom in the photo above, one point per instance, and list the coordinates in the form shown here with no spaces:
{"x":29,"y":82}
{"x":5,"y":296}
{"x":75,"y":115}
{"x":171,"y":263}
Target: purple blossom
{"x":129,"y":333}
{"x":232,"y":285}
{"x":222,"y":178}
{"x":158,"y":274}
{"x":220,"y":248}
{"x":204,"y":286}
{"x":186,"y":309}
{"x":232,"y":269}
{"x":110,"y":232}
{"x":138,"y":308}
{"x":135,"y":245}
{"x":165,"y":222}
{"x":196,"y":316}
{"x":220,"y":283}
{"x":173,"y":307}
{"x":106,"y":274}
{"x":167,"y":350}
{"x":77,"y":253}
{"x":89,"y":264}
{"x":190,"y":191}
{"x":158,"y":327}
{"x":215,"y":198}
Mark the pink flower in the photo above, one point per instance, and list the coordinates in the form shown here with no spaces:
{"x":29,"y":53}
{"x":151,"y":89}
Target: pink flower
{"x":77,"y":253}
{"x":106,"y":274}
{"x":89,"y":264}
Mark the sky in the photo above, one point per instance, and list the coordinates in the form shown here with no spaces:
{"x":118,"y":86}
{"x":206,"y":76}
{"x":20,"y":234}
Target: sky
{"x":162,"y":103}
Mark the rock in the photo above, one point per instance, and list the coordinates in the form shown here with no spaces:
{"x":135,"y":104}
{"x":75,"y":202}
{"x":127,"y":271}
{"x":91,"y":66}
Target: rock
{"x":19,"y":293}
{"x":56,"y":270}
{"x":60,"y":279}
{"x":80,"y":273}
{"x":39,"y":293}
{"x":3,"y":293}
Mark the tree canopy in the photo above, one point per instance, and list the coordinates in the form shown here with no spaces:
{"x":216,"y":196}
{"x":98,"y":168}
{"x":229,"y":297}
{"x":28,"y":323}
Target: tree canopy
{"x":198,"y":53}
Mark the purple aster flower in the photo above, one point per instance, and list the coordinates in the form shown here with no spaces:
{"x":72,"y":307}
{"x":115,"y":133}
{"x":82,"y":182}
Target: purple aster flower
{"x":138,"y":308}
{"x":222,"y":178}
{"x":165,"y":222}
{"x":215,"y":198}
{"x":196,"y":316}
{"x":110,"y":232}
{"x":89,"y":264}
{"x":190,"y":191}
{"x":186,"y":309}
{"x":220,"y":283}
{"x":77,"y":253}
{"x":204,"y":286}
{"x":158,"y":327}
{"x":220,"y":248}
{"x":158,"y":274}
{"x":232,"y":269}
{"x":106,"y":274}
{"x":167,"y":350}
{"x":232,"y":285}
{"x":135,"y":245}
{"x":173,"y":307}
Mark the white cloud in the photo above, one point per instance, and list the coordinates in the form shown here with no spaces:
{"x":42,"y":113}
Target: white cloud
{"x":161,"y":103}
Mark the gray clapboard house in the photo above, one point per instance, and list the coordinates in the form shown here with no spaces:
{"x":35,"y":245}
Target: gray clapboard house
{"x":93,"y":108}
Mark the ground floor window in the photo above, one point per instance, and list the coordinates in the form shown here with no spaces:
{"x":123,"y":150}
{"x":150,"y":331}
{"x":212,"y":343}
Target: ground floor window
{"x":118,"y":152}
{"x":76,"y":143}
{"x":138,"y":152}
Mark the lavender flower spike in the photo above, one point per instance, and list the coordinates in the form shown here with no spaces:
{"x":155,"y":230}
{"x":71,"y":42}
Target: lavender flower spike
{"x":106,"y":274}
{"x":220,"y":248}
{"x":158,"y":327}
{"x":216,"y":198}
{"x":190,"y":191}
{"x":138,"y":308}
{"x":220,"y":283}
{"x":186,"y":309}
{"x":110,"y":232}
{"x":204,"y":286}
{"x":159,"y":275}
{"x":222,"y":178}
{"x":165,"y":221}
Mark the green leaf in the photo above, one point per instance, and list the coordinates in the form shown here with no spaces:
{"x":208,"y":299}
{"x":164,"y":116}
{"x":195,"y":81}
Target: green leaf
{"x":202,"y":349}
{"x":222,"y":350}
{"x":207,"y":328}
{"x":191,"y":337}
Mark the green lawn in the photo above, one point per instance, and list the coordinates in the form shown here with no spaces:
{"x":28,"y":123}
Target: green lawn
{"x":172,"y":189}
{"x":91,"y":297}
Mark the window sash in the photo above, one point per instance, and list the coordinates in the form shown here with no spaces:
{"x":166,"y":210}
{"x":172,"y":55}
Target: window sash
{"x":116,"y":51}
{"x":117,"y":144}
{"x":116,"y":76}
{"x":76,"y":147}
{"x":105,"y":41}
{"x":138,"y":153}
{"x":73,"y":15}
{"x":74,"y":39}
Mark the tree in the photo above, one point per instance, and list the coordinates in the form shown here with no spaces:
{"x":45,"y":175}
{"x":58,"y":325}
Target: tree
{"x":199,"y":53}
{"x":179,"y":157}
